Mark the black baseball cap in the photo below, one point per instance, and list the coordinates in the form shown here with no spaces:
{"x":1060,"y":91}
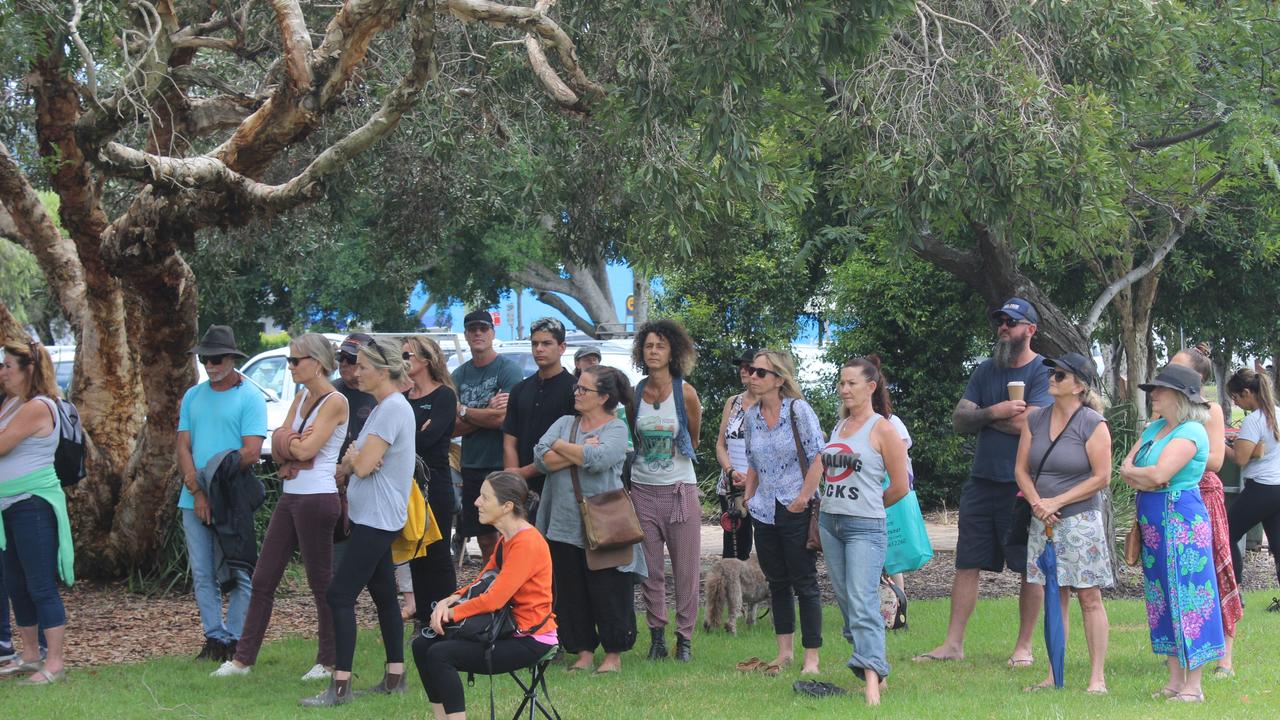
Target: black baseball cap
{"x":1018,"y":309}
{"x":353,"y":342}
{"x":476,"y":317}
{"x":1177,"y":377}
{"x":746,"y":357}
{"x":1076,"y":364}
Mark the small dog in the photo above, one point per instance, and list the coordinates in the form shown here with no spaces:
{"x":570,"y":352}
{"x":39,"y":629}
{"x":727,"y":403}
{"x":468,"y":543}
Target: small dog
{"x":734,"y":588}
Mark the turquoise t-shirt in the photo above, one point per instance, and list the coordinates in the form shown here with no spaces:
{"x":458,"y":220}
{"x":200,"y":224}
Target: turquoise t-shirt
{"x":1149,"y":451}
{"x":217,"y":420}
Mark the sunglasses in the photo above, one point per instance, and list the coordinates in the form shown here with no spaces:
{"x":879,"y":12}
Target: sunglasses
{"x":212,"y":359}
{"x":478,"y":327}
{"x":373,"y":344}
{"x":583,"y":389}
{"x":346,"y":358}
{"x":293,"y":361}
{"x":1009,"y":322}
{"x":762,"y":372}
{"x":1058,"y":375}
{"x":1142,"y":451}
{"x":406,"y":355}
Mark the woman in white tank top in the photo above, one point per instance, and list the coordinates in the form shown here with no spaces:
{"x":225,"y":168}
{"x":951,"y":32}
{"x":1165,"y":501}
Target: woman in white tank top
{"x":308,"y":507}
{"x":851,"y":522}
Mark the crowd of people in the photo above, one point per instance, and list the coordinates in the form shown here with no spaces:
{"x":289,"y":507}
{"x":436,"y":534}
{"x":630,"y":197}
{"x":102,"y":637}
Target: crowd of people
{"x":354,"y":455}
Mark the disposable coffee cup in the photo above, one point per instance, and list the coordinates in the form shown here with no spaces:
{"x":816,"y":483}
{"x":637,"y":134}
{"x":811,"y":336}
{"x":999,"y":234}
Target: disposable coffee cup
{"x":1017,"y":389}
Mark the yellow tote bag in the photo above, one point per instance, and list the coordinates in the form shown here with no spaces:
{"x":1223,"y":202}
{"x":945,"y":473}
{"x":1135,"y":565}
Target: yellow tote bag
{"x":419,"y":531}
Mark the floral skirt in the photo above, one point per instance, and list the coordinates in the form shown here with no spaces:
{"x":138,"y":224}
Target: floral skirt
{"x":1228,"y":588}
{"x":1181,"y":586}
{"x":1080,"y":542}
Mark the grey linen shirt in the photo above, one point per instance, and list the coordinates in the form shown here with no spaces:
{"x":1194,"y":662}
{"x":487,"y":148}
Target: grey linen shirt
{"x":559,"y":519}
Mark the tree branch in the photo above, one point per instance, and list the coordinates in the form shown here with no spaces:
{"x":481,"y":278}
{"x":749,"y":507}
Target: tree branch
{"x":297,"y":44}
{"x":534,"y":21}
{"x":557,"y":302}
{"x":1166,"y":141}
{"x":962,"y":265}
{"x":1179,"y":218}
{"x":35,"y":230}
{"x":537,"y":276}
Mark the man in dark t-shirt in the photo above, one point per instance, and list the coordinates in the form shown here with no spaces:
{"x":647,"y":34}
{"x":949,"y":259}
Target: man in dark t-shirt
{"x":987,"y":501}
{"x":537,"y":402}
{"x":359,"y":404}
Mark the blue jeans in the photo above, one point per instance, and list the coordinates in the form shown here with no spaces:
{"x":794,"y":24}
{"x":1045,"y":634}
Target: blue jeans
{"x":31,"y":564}
{"x":855,"y":548}
{"x":205,"y":555}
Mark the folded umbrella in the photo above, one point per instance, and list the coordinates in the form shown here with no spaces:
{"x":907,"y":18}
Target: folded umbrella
{"x":1054,"y":631}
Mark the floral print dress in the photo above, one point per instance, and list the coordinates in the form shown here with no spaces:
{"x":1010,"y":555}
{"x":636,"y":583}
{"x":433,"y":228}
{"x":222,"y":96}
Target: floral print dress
{"x":1180,"y":583}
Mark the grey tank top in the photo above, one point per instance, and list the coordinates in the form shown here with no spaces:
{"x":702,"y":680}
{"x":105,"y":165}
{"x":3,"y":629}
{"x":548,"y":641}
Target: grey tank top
{"x":853,"y":473}
{"x":29,"y":455}
{"x":1068,"y":464}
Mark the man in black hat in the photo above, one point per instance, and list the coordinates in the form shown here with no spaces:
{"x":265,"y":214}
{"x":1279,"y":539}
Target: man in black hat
{"x":360,"y":403}
{"x":484,"y":383}
{"x":537,"y":401}
{"x":224,"y":413}
{"x":987,"y":501}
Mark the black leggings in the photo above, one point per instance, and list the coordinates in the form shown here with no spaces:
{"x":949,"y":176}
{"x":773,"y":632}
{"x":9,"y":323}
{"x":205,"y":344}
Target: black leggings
{"x":434,"y":577}
{"x":1258,"y":503}
{"x":736,"y":544}
{"x":439,"y":659}
{"x":366,"y":562}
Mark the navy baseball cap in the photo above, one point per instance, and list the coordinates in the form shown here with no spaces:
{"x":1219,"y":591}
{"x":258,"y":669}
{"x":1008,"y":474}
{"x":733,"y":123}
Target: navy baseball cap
{"x":1018,"y":309}
{"x":477,"y":317}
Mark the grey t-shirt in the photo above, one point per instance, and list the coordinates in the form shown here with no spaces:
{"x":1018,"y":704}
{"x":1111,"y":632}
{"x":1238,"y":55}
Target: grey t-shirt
{"x":1264,"y":470}
{"x":1068,"y":464}
{"x":381,"y":499}
{"x":989,"y":385}
{"x":482,"y":449}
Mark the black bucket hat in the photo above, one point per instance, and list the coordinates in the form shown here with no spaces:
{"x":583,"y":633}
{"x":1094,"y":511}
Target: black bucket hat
{"x":746,"y":357}
{"x":1076,"y":364}
{"x":218,"y":340}
{"x":1176,"y":377}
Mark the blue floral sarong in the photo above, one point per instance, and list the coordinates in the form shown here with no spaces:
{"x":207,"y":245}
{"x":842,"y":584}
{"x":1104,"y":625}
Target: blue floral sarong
{"x":1181,"y":586}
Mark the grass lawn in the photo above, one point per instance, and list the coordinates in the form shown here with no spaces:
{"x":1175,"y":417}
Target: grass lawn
{"x":978,"y":687}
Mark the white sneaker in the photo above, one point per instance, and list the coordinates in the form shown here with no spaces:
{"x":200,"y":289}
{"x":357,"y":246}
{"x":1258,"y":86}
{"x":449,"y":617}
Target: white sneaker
{"x":229,"y":669}
{"x":318,"y":672}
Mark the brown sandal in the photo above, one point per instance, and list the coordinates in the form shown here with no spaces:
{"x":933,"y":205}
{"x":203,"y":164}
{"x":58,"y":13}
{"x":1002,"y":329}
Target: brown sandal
{"x":774,"y":669}
{"x":751,"y":664}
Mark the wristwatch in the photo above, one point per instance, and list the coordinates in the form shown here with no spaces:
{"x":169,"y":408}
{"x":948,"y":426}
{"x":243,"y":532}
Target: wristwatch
{"x":462,"y":412}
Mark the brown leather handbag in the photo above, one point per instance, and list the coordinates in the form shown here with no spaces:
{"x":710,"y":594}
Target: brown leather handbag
{"x":1133,"y":545}
{"x":609,"y":522}
{"x":814,"y":539}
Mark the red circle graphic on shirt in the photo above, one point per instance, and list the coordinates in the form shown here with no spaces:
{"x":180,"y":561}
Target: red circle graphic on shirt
{"x":843,"y":472}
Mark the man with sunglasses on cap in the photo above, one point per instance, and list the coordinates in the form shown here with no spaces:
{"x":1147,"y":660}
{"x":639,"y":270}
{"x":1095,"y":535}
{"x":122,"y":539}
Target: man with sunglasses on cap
{"x":987,"y":501}
{"x":221,"y":414}
{"x":484,"y":383}
{"x":359,"y":403}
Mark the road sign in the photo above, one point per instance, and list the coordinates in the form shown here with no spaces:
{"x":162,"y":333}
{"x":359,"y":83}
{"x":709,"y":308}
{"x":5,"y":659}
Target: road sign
{"x":631,"y":305}
{"x":497,"y":318}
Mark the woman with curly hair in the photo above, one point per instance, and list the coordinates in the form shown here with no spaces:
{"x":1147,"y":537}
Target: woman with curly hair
{"x":664,"y":486}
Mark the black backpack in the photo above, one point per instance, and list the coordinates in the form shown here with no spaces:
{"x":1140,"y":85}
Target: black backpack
{"x":68,"y":459}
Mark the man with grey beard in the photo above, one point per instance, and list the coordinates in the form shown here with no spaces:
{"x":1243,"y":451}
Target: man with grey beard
{"x":987,"y":502}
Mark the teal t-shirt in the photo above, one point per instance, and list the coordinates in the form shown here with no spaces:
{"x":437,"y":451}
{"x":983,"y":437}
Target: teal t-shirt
{"x":1149,"y":451}
{"x":482,"y":449}
{"x":217,"y":420}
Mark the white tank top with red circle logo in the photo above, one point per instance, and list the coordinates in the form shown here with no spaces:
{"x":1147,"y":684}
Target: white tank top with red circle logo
{"x":853,"y":473}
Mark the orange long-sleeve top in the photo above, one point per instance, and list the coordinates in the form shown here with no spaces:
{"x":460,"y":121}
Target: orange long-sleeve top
{"x":525,"y":578}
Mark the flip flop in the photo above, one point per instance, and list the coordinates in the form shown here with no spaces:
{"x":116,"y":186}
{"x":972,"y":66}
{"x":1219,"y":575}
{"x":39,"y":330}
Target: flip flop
{"x":1021,"y":662}
{"x":930,"y":657}
{"x":48,"y":677}
{"x":1164,"y":693}
{"x":773,"y":669}
{"x":1038,"y":687}
{"x":751,"y":664}
{"x":816,"y":688}
{"x":1188,"y":698}
{"x":1103,"y":691}
{"x":1223,"y":672}
{"x":18,"y":668}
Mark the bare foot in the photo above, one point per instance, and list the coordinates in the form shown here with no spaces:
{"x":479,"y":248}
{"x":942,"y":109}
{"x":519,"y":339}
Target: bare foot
{"x":810,"y":669}
{"x":609,"y":666}
{"x":1045,"y":684}
{"x":583,"y":663}
{"x":873,"y":687}
{"x":940,"y":653}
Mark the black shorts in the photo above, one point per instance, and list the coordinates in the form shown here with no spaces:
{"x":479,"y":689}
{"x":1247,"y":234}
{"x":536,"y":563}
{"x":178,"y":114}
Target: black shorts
{"x":469,"y":520}
{"x":986,"y":513}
